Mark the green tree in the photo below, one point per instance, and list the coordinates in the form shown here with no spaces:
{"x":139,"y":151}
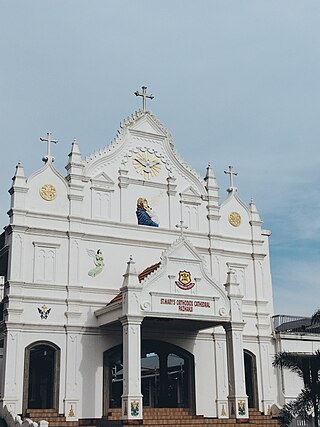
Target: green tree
{"x":307,"y":367}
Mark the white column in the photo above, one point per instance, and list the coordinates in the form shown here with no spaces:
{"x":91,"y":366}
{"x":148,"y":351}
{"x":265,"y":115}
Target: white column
{"x":131,"y":397}
{"x":238,"y":399}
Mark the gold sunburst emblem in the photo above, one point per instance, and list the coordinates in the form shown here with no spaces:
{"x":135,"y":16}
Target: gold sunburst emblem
{"x":235,"y":219}
{"x":48,"y":192}
{"x":147,"y":164}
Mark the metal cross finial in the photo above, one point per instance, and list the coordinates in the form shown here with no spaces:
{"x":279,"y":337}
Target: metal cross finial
{"x":182,"y":227}
{"x":231,"y":172}
{"x":144,"y":97}
{"x":49,"y":141}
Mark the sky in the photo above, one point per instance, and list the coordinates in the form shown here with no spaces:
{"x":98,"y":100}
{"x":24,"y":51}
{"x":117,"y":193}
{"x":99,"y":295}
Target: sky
{"x":235,"y":82}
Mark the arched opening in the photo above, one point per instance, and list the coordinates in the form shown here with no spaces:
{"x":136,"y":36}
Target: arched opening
{"x":167,"y":376}
{"x":250,"y":369}
{"x":41,"y":376}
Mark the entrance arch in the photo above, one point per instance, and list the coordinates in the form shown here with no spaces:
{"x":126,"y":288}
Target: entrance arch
{"x":167,"y":376}
{"x":250,"y":369}
{"x":41,"y":376}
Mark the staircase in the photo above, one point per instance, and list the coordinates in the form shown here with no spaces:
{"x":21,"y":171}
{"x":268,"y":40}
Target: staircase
{"x":54,"y":419}
{"x":155,"y":417}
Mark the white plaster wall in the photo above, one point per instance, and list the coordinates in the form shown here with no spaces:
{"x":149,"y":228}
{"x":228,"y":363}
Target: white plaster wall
{"x":45,"y":225}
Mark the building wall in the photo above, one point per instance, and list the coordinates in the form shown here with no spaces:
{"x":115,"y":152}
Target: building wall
{"x":52,"y":246}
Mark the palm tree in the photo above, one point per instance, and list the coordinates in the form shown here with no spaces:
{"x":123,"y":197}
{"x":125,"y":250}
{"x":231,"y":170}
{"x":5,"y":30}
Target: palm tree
{"x":307,"y":367}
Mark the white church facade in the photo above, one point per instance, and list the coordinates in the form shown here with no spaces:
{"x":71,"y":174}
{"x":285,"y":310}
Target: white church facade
{"x":130,"y":284}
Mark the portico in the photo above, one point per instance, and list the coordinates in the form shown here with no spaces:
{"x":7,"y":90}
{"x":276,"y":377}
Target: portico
{"x":176,"y":295}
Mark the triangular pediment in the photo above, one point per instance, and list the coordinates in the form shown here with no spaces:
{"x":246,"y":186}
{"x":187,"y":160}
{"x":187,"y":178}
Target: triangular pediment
{"x":190,"y":191}
{"x":148,"y":125}
{"x":102,"y":180}
{"x":182,"y":281}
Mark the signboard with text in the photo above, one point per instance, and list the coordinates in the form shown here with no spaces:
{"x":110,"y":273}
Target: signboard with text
{"x":189,"y":305}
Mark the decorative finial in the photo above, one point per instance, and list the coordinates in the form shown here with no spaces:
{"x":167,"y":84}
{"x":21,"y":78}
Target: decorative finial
{"x":209,"y":172}
{"x":144,"y":97}
{"x":231,"y":172}
{"x":48,"y":157}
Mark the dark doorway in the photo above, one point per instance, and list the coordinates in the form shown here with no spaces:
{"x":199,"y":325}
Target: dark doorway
{"x":167,"y":376}
{"x":41,"y":382}
{"x":251,"y":378}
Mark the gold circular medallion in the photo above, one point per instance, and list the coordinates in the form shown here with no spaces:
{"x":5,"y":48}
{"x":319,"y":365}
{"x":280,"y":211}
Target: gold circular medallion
{"x":48,"y":192}
{"x":235,"y":219}
{"x":147,"y":164}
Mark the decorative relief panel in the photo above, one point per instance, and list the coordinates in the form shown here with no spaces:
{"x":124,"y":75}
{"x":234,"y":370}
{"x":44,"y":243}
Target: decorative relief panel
{"x":239,"y":270}
{"x":74,"y":262}
{"x":18,"y":253}
{"x":191,"y":215}
{"x":101,"y":204}
{"x":44,"y":262}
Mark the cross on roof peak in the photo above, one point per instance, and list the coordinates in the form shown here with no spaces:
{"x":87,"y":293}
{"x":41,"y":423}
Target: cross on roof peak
{"x":144,"y":97}
{"x":232,"y":173}
{"x":182,"y":227}
{"x":49,"y":141}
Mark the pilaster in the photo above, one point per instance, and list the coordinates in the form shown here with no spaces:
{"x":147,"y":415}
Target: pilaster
{"x":123,"y":182}
{"x":71,"y":400}
{"x":221,"y":375}
{"x":9,"y":386}
{"x":171,"y":191}
{"x":266,"y":366}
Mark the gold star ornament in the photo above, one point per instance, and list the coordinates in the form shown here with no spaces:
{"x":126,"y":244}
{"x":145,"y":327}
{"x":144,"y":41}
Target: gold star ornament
{"x":48,"y":192}
{"x":234,"y":219}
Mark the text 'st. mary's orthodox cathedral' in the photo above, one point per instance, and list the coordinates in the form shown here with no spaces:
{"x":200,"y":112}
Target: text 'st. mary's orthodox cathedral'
{"x":130,"y":284}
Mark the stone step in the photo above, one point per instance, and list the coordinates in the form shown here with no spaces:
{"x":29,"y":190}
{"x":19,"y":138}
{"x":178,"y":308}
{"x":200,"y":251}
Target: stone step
{"x":155,"y":417}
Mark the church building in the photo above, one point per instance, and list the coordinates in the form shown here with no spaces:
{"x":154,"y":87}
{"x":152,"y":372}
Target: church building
{"x":133,"y":283}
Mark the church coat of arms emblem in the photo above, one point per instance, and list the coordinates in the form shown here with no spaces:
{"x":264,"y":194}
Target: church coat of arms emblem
{"x":184,"y":282}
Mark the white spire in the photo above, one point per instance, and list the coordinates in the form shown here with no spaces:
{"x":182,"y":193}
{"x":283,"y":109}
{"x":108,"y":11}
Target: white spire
{"x":75,"y":164}
{"x":255,"y":216}
{"x":19,"y":179}
{"x":131,"y":276}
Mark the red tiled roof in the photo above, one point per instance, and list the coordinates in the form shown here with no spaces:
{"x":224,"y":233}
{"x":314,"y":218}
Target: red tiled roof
{"x":145,"y":273}
{"x":148,"y":271}
{"x":117,"y":298}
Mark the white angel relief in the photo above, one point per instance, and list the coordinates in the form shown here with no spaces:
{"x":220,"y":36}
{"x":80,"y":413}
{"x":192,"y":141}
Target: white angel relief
{"x":98,"y":262}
